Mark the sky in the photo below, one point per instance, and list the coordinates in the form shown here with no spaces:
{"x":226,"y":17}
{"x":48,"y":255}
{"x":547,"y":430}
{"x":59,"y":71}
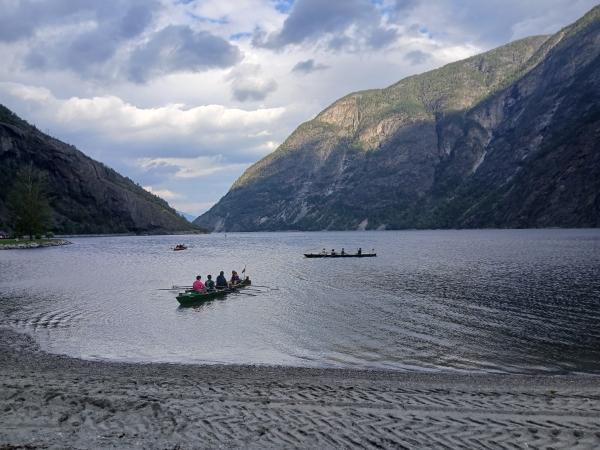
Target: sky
{"x":182,"y":96}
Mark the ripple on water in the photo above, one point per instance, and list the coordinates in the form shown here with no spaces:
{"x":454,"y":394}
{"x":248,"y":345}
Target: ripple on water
{"x":523,"y":301}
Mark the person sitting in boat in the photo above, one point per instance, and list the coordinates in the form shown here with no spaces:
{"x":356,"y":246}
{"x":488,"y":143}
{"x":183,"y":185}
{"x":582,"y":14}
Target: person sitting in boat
{"x":221,"y":281}
{"x":199,"y":285}
{"x":324,"y":252}
{"x":343,"y":251}
{"x":333,"y":252}
{"x":235,"y":278}
{"x":210,"y":284}
{"x":359,"y":252}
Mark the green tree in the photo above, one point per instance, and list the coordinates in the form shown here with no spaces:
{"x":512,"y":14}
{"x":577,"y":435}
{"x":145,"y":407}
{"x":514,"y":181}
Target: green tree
{"x":28,"y":201}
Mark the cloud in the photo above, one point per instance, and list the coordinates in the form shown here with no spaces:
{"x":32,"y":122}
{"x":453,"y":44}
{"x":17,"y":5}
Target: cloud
{"x":191,"y":167}
{"x":27,"y":93}
{"x":247,"y":84}
{"x":400,"y":8}
{"x":381,"y":37}
{"x":253,"y":89}
{"x":178,"y":48}
{"x":491,"y":23}
{"x":180,"y":202}
{"x":340,"y":23}
{"x":78,"y":36}
{"x":128,"y":122}
{"x":106,"y":40}
{"x":309,"y":66}
{"x":21,"y":19}
{"x":417,"y":57}
{"x":165,"y":194}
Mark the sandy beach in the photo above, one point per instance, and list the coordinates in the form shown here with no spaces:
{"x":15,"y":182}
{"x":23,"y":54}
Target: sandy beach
{"x":56,"y":402}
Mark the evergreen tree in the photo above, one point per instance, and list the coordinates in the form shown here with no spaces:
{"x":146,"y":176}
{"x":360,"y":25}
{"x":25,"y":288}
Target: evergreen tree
{"x":28,"y":201}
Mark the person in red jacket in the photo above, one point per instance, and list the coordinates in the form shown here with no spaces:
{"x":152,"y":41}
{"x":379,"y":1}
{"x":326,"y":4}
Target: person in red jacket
{"x":198,"y":284}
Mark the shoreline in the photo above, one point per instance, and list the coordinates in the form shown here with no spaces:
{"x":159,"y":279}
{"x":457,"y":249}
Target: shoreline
{"x":55,"y":401}
{"x":29,"y":244}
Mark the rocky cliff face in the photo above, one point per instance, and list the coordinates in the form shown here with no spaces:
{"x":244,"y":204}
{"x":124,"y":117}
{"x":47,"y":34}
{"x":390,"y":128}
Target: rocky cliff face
{"x":86,"y":196}
{"x":509,"y":138}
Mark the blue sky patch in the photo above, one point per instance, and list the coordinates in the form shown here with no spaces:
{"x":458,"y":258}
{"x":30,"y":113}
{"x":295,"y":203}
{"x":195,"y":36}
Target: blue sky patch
{"x":284,"y":6}
{"x":222,"y":21}
{"x":238,"y":36}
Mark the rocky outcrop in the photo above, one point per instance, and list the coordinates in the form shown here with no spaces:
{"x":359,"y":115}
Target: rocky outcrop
{"x":508,"y":138}
{"x":87,"y":197}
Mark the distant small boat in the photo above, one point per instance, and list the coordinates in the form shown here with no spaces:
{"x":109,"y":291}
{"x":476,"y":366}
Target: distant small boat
{"x":180,"y":247}
{"x":321,"y":255}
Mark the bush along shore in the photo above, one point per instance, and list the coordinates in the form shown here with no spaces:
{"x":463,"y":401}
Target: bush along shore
{"x":11,"y":244}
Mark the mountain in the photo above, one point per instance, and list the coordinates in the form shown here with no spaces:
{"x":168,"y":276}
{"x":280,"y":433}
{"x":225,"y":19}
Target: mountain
{"x":86,"y":197}
{"x":187,"y":216}
{"x":505,"y":139}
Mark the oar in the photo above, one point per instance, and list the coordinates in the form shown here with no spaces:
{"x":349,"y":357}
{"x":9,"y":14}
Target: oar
{"x":174,"y":288}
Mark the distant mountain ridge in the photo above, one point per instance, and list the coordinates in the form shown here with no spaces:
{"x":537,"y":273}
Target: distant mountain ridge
{"x":86,"y":197}
{"x":509,"y":138}
{"x":188,"y":217}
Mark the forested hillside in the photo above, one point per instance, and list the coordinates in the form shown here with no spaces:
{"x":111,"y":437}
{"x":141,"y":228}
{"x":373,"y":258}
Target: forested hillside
{"x":85,"y":196}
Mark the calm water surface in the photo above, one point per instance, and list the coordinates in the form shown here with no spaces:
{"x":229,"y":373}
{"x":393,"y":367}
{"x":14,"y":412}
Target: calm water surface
{"x":524,"y":301}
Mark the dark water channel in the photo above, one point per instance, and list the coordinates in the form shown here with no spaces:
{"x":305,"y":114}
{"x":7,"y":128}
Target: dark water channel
{"x":525,"y":301}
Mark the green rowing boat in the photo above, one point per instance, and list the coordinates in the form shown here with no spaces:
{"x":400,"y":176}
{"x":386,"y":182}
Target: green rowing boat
{"x":320,"y":255}
{"x":191,"y":297}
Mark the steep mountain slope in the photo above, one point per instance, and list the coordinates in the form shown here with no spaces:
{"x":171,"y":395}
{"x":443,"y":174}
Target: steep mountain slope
{"x":508,"y":138}
{"x":85,"y":195}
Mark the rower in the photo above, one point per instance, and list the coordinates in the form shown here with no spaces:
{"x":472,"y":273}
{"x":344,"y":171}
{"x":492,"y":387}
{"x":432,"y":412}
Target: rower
{"x":359,"y":252}
{"x":324,"y":252}
{"x":198,"y":285}
{"x":333,"y":252}
{"x":210,"y":284}
{"x":235,"y":278}
{"x":221,"y":281}
{"x":343,"y":251}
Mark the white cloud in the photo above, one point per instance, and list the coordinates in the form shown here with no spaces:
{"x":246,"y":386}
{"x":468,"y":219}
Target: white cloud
{"x":248,"y":84}
{"x":190,"y":167}
{"x":37,"y":94}
{"x":112,"y":113}
{"x":164,"y":193}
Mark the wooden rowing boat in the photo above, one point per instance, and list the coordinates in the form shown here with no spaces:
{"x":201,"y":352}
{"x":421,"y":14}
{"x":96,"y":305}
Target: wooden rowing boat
{"x":191,"y":297}
{"x":320,"y":255}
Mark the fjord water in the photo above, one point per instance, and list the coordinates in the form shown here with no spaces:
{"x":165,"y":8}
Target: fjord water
{"x":525,"y":301}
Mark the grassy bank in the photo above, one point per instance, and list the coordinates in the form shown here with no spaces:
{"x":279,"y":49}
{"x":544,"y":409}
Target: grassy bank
{"x":21,"y":241}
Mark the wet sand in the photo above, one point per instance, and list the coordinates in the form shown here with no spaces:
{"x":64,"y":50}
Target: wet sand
{"x":56,"y":402}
